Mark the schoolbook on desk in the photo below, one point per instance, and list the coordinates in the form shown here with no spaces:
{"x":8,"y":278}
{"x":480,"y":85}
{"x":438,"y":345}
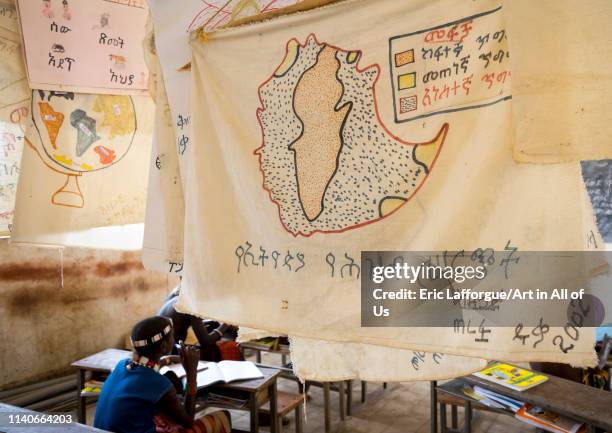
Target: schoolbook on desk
{"x":511,"y":376}
{"x":549,"y":421}
{"x":210,"y":373}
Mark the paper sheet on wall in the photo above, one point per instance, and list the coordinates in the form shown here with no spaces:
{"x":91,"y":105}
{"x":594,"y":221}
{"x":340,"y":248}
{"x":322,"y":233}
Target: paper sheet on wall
{"x":289,"y":227}
{"x":14,"y":103}
{"x":87,"y":46}
{"x":83,"y":165}
{"x":8,"y":16}
{"x":11,"y":146}
{"x":14,"y":90}
{"x":562,"y":79}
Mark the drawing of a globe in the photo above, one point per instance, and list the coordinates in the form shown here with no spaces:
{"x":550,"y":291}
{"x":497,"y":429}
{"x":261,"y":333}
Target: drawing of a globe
{"x":81,"y":133}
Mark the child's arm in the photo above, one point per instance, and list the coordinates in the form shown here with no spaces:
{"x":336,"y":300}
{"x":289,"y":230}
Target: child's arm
{"x":201,"y":331}
{"x":170,"y":404}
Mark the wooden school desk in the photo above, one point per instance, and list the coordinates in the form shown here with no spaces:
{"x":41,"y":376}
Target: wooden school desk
{"x":260,"y":391}
{"x":571,"y":399}
{"x":101,"y":362}
{"x":287,"y":373}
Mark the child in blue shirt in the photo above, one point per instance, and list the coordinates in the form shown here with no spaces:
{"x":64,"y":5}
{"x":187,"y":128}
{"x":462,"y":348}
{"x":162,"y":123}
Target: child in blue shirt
{"x":135,"y":392}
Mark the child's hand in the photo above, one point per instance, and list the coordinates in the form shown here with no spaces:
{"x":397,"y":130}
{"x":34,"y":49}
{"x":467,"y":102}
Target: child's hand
{"x":190,"y":356}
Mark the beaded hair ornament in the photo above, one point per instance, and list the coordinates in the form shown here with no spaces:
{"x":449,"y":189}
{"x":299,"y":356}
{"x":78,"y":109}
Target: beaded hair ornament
{"x":143,"y":360}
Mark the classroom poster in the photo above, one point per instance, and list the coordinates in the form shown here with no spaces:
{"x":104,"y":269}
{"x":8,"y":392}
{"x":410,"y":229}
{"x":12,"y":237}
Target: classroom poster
{"x":86,"y":46}
{"x":350,"y":128}
{"x":14,"y":108}
{"x":84,"y":165}
{"x":14,"y":90}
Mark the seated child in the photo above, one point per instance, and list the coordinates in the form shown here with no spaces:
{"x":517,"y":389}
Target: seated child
{"x":135,"y":398}
{"x":208,"y":333}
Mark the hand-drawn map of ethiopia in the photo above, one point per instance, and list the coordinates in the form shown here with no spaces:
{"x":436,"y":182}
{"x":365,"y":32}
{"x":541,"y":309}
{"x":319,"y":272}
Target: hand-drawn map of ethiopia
{"x":80,"y":133}
{"x":328,"y":161}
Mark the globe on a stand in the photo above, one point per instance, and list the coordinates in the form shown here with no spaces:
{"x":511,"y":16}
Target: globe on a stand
{"x":80,"y":133}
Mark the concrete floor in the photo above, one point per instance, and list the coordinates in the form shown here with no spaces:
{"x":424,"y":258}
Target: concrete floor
{"x":401,"y":408}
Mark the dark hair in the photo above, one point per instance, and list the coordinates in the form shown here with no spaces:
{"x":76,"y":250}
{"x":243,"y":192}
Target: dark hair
{"x":146,"y":329}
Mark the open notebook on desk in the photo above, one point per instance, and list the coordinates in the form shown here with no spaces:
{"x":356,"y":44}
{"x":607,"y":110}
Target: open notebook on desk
{"x":210,"y":373}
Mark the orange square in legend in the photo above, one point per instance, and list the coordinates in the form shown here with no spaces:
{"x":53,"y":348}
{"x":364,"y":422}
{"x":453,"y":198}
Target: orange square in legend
{"x":404,"y":58}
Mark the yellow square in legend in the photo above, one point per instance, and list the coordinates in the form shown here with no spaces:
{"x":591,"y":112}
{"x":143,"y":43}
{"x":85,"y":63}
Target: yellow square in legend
{"x":406,"y":81}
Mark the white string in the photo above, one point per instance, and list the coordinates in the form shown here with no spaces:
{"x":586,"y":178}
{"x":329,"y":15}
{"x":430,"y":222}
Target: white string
{"x":61,"y":254}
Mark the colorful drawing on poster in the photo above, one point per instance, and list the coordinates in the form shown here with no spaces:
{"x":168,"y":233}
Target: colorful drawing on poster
{"x":118,"y":114}
{"x":52,"y":121}
{"x":131,"y":3}
{"x":66,"y":10}
{"x":117,"y":60}
{"x":216,"y":13}
{"x":327,"y":159}
{"x":104,"y":22}
{"x":86,"y":130}
{"x":105,"y":154}
{"x":246,"y":8}
{"x":109,"y":121}
{"x":47,"y":11}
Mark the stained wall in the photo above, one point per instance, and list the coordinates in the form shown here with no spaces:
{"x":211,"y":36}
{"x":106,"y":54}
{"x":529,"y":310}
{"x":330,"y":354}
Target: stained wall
{"x":56,"y":307}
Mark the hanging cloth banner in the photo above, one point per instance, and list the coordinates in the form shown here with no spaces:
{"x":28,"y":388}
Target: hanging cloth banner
{"x":162,"y":250}
{"x":332,"y":361}
{"x":561,"y":79}
{"x":163,"y":238}
{"x":83,"y":167}
{"x":364,"y":125}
